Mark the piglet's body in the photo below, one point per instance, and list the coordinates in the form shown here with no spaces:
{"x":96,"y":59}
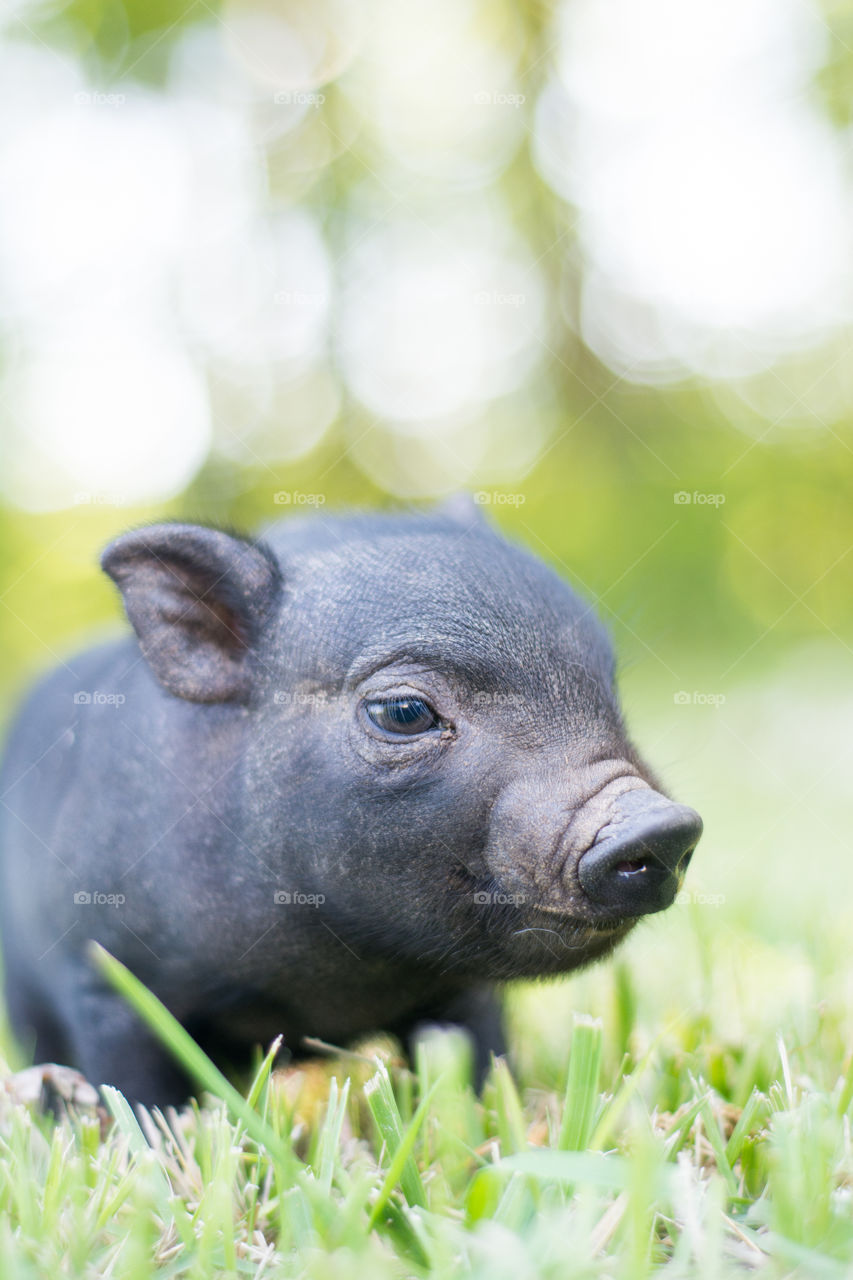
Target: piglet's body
{"x":344,"y":779}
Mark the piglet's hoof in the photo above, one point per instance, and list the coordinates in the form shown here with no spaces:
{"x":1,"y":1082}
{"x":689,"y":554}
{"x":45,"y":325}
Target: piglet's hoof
{"x":52,"y":1087}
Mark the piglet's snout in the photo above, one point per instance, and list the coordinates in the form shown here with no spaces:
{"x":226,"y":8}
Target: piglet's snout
{"x":637,"y":862}
{"x":623,"y":852}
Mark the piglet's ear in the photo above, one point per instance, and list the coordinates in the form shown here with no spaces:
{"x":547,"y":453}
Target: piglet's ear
{"x":198,"y":600}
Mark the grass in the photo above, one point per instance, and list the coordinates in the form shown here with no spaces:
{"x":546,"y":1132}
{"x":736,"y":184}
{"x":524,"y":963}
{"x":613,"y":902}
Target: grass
{"x":678,"y":1152}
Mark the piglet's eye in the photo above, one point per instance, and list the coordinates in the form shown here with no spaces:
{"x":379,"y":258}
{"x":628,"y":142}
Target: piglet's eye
{"x":403,"y":716}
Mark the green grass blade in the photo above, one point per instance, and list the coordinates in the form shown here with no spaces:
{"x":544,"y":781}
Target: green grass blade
{"x":678,"y":1131}
{"x":263,"y":1073}
{"x":330,"y":1136}
{"x":581,"y":1099}
{"x":755,"y":1105}
{"x":138,"y":1145}
{"x":383,"y":1107}
{"x":715,"y":1137}
{"x":512,"y":1130}
{"x":193,"y":1059}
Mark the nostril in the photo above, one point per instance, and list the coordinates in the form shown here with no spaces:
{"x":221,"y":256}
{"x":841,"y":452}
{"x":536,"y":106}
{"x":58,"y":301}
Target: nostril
{"x":637,"y":863}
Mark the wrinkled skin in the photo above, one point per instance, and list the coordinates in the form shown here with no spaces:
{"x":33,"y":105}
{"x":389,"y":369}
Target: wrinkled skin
{"x":243,"y":766}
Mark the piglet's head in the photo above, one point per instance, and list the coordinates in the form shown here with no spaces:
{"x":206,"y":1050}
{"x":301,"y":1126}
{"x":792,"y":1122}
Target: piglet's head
{"x":433,"y":735}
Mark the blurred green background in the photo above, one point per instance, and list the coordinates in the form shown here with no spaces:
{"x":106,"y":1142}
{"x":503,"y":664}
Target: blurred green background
{"x":589,"y":260}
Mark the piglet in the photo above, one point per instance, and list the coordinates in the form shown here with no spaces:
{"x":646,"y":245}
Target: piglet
{"x":351,"y":776}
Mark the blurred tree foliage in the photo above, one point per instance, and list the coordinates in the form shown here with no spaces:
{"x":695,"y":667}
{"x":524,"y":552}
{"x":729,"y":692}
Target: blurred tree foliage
{"x":113,"y":36}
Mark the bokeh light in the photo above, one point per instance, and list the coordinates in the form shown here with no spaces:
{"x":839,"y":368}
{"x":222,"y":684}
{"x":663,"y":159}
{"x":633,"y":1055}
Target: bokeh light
{"x":451,"y":72}
{"x":437,"y":315}
{"x":422,"y":214}
{"x":712,"y":194}
{"x":122,"y":420}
